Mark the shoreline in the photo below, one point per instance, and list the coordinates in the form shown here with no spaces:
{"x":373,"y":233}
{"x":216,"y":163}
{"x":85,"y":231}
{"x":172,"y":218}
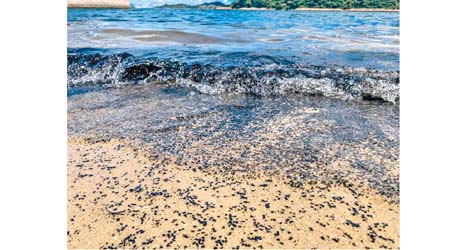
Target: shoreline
{"x":239,"y":175}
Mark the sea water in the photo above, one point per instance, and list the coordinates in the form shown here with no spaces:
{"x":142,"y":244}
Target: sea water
{"x":286,"y":91}
{"x":349,"y":55}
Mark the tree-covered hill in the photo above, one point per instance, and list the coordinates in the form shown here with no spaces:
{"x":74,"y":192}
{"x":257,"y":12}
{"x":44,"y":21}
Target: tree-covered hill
{"x":294,"y":4}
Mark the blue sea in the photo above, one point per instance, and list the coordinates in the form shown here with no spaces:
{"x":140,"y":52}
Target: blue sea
{"x":343,"y":55}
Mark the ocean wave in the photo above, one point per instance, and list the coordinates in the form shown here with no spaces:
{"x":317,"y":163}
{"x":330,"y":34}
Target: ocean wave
{"x":343,"y":82}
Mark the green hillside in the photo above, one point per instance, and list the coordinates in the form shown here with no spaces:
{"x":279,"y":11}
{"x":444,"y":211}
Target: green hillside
{"x":339,"y":4}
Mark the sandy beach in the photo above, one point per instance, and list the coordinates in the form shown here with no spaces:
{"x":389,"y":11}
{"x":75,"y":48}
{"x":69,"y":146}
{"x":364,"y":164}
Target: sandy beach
{"x":121,"y":197}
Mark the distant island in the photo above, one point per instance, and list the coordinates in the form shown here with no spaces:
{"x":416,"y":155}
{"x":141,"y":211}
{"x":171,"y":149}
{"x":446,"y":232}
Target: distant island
{"x":318,"y":5}
{"x":211,"y":5}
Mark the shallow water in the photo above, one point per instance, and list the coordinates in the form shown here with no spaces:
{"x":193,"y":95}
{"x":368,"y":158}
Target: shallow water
{"x":303,"y":93}
{"x":336,"y":54}
{"x":289,"y":134}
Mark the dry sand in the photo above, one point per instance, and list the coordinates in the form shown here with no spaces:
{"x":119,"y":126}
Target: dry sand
{"x":122,"y":196}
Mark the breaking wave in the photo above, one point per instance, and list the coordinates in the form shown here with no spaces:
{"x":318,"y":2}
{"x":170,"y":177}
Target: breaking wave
{"x":348,"y":83}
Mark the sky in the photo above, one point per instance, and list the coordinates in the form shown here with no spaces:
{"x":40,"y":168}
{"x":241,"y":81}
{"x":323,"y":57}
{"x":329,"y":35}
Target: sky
{"x":152,"y":3}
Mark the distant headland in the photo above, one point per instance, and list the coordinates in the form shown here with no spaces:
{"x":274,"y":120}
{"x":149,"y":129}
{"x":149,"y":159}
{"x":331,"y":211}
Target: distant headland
{"x":299,"y":5}
{"x":319,"y":5}
{"x":117,"y":4}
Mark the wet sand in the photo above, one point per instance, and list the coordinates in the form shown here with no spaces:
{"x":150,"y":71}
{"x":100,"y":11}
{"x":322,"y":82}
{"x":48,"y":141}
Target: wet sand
{"x":121,"y":196}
